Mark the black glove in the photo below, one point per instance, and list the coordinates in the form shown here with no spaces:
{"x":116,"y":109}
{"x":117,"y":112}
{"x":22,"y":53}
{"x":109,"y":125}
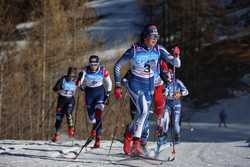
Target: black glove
{"x":106,"y":101}
{"x":82,"y":87}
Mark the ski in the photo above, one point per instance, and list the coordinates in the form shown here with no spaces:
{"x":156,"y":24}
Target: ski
{"x":155,"y":158}
{"x":171,"y":158}
{"x":150,"y":159}
{"x":89,"y":140}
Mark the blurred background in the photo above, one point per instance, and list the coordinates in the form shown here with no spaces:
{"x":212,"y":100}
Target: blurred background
{"x":40,"y":39}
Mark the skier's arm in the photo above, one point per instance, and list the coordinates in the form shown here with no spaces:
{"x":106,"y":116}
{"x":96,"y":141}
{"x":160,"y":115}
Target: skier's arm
{"x":107,"y":81}
{"x":163,"y":71}
{"x":166,"y":91}
{"x":81,"y":77}
{"x":58,"y":85}
{"x":184,"y":91}
{"x":175,"y":61}
{"x":117,"y":68}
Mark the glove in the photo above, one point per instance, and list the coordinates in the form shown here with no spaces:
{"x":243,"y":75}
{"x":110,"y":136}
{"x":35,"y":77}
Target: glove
{"x":176,"y":51}
{"x":177,"y":95}
{"x":118,"y":92}
{"x":78,"y":82}
{"x":82,"y":87}
{"x":106,"y":101}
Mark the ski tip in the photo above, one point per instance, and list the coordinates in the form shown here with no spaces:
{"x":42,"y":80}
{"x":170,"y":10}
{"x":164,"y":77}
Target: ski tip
{"x":171,"y":158}
{"x":75,"y":157}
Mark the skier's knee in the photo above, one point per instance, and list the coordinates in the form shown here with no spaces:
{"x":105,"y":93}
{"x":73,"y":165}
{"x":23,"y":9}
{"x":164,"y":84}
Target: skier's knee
{"x":98,"y":113}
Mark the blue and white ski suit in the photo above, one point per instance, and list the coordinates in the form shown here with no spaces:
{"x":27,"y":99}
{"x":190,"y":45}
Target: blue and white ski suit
{"x":95,"y":92}
{"x":144,"y":66}
{"x":173,"y":104}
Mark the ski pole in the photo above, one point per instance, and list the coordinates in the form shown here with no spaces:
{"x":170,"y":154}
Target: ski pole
{"x":172,"y":122}
{"x":90,"y":138}
{"x":41,"y":124}
{"x":122,"y":104}
{"x":76,"y":109}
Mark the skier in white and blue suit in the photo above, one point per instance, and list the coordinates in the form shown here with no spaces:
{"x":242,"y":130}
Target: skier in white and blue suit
{"x":143,"y":58}
{"x":174,"y":90}
{"x":95,"y":80}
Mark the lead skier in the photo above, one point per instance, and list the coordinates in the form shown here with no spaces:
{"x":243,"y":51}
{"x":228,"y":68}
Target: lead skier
{"x":143,"y":58}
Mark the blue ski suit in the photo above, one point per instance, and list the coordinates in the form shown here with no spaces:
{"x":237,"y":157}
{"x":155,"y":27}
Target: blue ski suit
{"x":173,"y":104}
{"x":140,"y":83}
{"x":95,"y":93}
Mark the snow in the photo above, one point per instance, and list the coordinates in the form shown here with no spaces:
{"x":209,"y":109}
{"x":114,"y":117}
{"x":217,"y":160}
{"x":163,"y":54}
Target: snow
{"x":120,"y":24}
{"x":26,"y":25}
{"x":203,"y":144}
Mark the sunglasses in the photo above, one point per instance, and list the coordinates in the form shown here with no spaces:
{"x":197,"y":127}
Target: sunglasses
{"x":93,"y":64}
{"x":153,"y":36}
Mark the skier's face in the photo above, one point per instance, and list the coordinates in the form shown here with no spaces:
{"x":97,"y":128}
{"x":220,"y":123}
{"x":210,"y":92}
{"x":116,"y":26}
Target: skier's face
{"x":71,"y":77}
{"x":151,"y":40}
{"x":93,"y":66}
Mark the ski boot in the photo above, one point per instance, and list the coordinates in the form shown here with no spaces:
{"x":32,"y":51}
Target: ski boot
{"x":127,"y":142}
{"x":136,"y":148}
{"x":71,"y":131}
{"x":55,"y":137}
{"x":97,"y":142}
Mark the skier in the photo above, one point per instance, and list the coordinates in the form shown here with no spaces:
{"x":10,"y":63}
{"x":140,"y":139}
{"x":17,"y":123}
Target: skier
{"x":175,"y":89}
{"x":222,"y":118}
{"x":159,"y":104}
{"x":159,"y":98}
{"x":66,"y":88}
{"x":95,"y":80}
{"x":143,"y":57}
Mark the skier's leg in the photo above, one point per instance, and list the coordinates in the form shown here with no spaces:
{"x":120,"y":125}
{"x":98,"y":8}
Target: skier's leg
{"x":159,"y":101}
{"x":69,"y":111}
{"x":177,"y":128}
{"x":144,"y":136}
{"x":140,"y":121}
{"x":59,"y":117}
{"x":99,"y":108}
{"x":164,"y":124}
{"x":98,"y":115}
{"x":135,"y":128}
{"x":128,"y":132}
{"x":132,"y":108}
{"x":140,"y":92}
{"x":219,"y":123}
{"x":224,"y":123}
{"x":166,"y":121}
{"x":89,"y":100}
